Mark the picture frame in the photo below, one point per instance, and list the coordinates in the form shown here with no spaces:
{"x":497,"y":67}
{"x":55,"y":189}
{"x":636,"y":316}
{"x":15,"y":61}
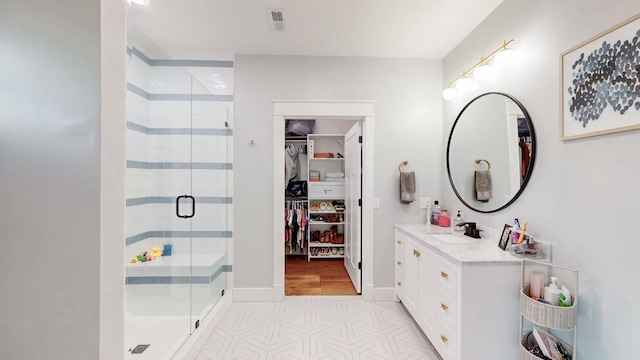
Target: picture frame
{"x":598,"y":93}
{"x":504,"y":239}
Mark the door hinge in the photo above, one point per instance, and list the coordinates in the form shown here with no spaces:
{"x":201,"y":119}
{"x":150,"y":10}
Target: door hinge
{"x":222,"y":292}
{"x":197,"y":324}
{"x":360,"y":139}
{"x":226,"y":124}
{"x":359,"y":202}
{"x":359,"y":265}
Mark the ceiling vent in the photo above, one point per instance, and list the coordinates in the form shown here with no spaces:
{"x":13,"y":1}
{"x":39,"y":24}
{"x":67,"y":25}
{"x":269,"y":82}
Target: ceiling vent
{"x":276,"y":19}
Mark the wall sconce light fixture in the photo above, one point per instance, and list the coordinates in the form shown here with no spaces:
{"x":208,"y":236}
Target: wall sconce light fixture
{"x":481,"y":71}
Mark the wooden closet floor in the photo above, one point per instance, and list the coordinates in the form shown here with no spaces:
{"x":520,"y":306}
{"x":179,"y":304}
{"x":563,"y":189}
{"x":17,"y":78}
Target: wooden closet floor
{"x":316,"y":277}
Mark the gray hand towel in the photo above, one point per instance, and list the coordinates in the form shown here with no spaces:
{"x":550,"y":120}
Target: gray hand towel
{"x":407,"y":187}
{"x":484,"y":189}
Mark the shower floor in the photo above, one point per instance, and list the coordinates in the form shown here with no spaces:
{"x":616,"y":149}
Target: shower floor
{"x":164,"y":333}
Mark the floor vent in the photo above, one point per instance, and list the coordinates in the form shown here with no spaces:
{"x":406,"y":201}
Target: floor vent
{"x":140,"y":349}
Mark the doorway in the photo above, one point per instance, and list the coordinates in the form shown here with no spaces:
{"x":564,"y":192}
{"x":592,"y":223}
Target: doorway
{"x":362,"y":112}
{"x":322,"y":226}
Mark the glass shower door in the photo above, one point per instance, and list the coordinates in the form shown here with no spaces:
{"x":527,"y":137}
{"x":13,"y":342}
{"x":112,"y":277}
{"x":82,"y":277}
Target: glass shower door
{"x":209,"y":160}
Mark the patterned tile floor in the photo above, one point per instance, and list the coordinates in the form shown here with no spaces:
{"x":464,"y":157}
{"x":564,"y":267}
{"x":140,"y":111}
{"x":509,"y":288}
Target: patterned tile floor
{"x":317,"y":327}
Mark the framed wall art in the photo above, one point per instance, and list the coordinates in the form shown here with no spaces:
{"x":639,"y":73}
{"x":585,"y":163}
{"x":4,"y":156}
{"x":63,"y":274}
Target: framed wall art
{"x":504,"y":239}
{"x":600,"y":83}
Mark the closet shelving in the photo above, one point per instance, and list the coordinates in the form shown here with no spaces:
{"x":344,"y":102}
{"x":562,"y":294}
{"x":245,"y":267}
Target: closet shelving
{"x":325,"y":157}
{"x":560,"y":322}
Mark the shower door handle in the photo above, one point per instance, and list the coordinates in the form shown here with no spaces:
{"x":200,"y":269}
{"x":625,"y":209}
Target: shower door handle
{"x":193,"y":206}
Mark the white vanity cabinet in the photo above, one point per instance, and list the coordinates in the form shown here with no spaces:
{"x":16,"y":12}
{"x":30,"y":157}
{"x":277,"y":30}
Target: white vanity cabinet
{"x":462,"y":294}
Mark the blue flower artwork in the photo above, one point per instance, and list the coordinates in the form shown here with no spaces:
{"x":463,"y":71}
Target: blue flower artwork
{"x":609,"y":76}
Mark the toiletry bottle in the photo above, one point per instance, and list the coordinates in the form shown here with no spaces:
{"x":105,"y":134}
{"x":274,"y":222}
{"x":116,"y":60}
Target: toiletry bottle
{"x":435,"y":213}
{"x":443,"y":219}
{"x":457,"y":221}
{"x":565,"y":297}
{"x":552,"y":292}
{"x":536,"y":285}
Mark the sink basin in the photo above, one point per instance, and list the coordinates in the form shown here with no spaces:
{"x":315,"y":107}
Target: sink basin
{"x":451,"y":239}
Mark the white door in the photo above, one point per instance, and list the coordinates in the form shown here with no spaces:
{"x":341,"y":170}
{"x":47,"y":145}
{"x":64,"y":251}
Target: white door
{"x":353,"y":210}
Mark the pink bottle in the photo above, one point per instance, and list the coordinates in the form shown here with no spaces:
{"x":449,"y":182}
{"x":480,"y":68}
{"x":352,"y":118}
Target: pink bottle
{"x":444,"y":220}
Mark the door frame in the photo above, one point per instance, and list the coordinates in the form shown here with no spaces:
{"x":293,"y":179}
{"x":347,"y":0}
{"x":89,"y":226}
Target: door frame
{"x":330,"y":110}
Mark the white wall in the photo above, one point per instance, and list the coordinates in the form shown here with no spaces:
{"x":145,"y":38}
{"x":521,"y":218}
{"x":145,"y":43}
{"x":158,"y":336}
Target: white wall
{"x":50,"y":179}
{"x":582,"y":196}
{"x":408,"y":127}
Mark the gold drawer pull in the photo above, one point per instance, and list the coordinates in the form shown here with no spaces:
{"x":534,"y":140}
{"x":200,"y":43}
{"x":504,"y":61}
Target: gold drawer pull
{"x":399,"y":283}
{"x":399,"y":262}
{"x":444,"y":274}
{"x":399,"y":241}
{"x":444,"y":306}
{"x":416,"y":253}
{"x":443,"y":338}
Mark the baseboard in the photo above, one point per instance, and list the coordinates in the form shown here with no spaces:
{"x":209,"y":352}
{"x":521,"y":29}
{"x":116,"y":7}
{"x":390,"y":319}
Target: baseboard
{"x":384,"y":294}
{"x":195,"y":341}
{"x":253,"y":294}
{"x":368,"y":292}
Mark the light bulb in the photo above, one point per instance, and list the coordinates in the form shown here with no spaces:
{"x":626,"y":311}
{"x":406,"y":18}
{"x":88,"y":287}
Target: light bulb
{"x":482,"y":72}
{"x":464,"y":84}
{"x":449,"y":93}
{"x":505,"y":58}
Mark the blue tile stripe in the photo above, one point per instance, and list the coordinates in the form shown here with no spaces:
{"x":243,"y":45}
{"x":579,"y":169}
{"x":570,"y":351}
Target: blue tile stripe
{"x":133,"y":164}
{"x":149,"y":280}
{"x":178,"y":234}
{"x":183,"y":63}
{"x":178,"y":131}
{"x":177,"y":97}
{"x":172,"y":200}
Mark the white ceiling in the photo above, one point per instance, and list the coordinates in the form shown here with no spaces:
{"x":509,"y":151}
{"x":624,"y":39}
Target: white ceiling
{"x":218,"y":29}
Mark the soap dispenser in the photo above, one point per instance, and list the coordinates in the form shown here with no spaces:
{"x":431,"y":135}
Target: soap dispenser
{"x":457,"y":221}
{"x":552,"y":292}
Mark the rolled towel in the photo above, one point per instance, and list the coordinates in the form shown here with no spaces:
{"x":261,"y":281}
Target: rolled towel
{"x":484,"y":188}
{"x":407,"y":187}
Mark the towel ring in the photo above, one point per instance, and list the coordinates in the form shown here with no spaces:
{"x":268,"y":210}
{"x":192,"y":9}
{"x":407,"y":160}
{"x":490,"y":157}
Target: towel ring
{"x":488,"y":163}
{"x":402,"y":164}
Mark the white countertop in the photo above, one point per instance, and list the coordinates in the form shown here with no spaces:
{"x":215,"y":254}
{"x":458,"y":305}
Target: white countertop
{"x":457,"y":247}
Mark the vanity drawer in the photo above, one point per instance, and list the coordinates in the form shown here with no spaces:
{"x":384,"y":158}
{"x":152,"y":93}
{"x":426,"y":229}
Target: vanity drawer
{"x":447,"y":310}
{"x":448,"y":276}
{"x":326,"y":190}
{"x":446,"y":342}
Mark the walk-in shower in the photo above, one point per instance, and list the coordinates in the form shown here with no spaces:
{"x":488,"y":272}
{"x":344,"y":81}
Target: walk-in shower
{"x":177,"y":199}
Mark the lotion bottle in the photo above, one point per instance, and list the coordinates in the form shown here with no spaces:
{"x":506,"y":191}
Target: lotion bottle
{"x":565,"y":297}
{"x":552,"y":292}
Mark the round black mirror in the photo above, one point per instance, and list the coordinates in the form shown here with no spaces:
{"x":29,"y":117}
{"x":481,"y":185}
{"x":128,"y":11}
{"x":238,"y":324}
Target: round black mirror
{"x":491,"y":152}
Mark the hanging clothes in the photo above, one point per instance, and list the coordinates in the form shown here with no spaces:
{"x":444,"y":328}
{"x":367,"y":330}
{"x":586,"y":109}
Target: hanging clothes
{"x":291,"y":162}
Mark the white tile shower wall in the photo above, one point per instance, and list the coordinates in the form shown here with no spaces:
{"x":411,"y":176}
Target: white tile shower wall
{"x":163,"y":109}
{"x":174,"y":299}
{"x":170,"y":80}
{"x":137,"y":183}
{"x":137,"y":146}
{"x":138,"y":73}
{"x":137,"y":220}
{"x":138,"y":109}
{"x":211,"y":183}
